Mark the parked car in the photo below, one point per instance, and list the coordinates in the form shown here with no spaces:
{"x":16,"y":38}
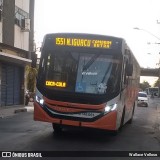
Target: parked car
{"x":143,"y":99}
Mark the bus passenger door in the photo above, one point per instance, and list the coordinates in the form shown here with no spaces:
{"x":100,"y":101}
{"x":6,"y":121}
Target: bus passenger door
{"x":123,"y":94}
{"x":127,"y":89}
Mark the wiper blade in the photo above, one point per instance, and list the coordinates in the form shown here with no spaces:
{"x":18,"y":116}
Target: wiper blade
{"x":110,"y":65}
{"x":90,"y":62}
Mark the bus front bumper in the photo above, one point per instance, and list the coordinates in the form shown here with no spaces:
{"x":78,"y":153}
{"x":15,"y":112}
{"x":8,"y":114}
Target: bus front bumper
{"x":107,"y":122}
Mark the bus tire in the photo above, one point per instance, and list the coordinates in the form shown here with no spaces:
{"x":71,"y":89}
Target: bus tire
{"x":115,"y":133}
{"x":122,"y":119}
{"x":57,"y":128}
{"x":130,"y":121}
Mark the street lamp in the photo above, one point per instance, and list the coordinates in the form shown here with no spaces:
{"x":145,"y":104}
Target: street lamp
{"x":156,"y":43}
{"x":152,"y":43}
{"x":147,"y":32}
{"x":150,"y":34}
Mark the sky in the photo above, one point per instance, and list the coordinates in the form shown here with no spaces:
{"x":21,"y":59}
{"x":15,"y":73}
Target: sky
{"x":107,"y":17}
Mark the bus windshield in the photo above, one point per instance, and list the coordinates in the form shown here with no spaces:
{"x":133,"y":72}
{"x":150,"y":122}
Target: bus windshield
{"x":80,"y":72}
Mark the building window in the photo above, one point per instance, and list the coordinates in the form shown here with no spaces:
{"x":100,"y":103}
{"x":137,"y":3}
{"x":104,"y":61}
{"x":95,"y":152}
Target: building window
{"x":20,"y":15}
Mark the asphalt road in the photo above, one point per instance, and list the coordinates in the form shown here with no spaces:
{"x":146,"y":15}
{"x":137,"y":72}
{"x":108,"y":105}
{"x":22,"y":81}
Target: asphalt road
{"x":22,"y":133}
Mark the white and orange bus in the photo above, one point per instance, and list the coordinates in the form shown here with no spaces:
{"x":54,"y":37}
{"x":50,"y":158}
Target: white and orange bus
{"x":86,"y":80}
{"x":152,"y":91}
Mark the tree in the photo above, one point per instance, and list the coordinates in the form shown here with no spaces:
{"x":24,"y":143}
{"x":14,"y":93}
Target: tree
{"x":144,"y":85}
{"x":31,"y":78}
{"x":157,"y":83}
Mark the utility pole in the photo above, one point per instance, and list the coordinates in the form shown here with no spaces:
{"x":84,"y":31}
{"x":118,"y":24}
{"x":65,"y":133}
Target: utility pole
{"x":158,"y":22}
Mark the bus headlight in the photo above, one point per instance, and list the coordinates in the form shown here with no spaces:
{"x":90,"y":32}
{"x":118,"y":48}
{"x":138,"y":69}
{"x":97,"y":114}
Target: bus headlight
{"x":110,"y":108}
{"x":39,"y":100}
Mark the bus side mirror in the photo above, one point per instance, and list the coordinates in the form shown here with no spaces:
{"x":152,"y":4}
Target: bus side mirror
{"x":129,"y":69}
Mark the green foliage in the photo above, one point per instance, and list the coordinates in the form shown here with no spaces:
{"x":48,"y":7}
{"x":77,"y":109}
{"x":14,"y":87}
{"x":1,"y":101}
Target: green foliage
{"x":144,"y":85}
{"x":31,"y":78}
{"x":157,"y":83}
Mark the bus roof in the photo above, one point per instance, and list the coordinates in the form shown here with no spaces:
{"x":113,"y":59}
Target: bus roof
{"x":86,"y":41}
{"x":87,"y":35}
{"x":83,"y":40}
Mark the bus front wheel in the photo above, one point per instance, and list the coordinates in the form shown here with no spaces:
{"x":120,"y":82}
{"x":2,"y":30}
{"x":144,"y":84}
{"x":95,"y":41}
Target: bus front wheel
{"x":122,"y":119}
{"x":57,"y":128}
{"x":131,"y":119}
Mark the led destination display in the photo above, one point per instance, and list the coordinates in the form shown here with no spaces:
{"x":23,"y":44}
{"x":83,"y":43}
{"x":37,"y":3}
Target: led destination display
{"x":55,"y":84}
{"x":80,"y":42}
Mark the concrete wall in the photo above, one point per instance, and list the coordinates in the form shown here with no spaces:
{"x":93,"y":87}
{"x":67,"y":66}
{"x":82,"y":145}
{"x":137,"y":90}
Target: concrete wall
{"x":8,"y":22}
{"x":23,"y":4}
{"x":21,"y":39}
{"x":0,"y":32}
{"x":0,"y":84}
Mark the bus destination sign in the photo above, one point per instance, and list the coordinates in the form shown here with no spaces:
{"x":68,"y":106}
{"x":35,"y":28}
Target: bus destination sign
{"x":80,"y":42}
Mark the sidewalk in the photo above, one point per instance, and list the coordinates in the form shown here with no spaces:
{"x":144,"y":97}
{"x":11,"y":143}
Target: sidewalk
{"x":158,"y":122}
{"x":8,"y":111}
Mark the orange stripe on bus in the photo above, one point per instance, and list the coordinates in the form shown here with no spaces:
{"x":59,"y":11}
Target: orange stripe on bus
{"x":108,"y":122}
{"x":75,"y":105}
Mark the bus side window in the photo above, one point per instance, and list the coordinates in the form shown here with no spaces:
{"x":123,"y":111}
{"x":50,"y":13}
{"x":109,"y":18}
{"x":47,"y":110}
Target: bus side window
{"x":125,"y":79}
{"x":125,"y":76}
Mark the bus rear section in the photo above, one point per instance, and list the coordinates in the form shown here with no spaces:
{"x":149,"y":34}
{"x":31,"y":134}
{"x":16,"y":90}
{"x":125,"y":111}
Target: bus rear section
{"x":84,"y":81}
{"x":153,"y":91}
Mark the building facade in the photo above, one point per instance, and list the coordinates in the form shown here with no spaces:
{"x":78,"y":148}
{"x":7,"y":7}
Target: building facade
{"x":16,"y":48}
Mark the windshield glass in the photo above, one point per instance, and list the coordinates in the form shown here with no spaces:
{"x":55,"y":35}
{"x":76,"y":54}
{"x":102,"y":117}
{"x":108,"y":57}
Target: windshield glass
{"x":142,"y":95}
{"x":92,"y":73}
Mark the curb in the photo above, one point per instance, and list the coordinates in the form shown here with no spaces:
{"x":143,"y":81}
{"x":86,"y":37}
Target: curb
{"x":20,"y":110}
{"x":1,"y":116}
{"x":11,"y":111}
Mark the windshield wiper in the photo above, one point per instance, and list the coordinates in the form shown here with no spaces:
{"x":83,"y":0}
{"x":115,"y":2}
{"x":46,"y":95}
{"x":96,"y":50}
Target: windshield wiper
{"x":110,"y":65}
{"x":90,"y":62}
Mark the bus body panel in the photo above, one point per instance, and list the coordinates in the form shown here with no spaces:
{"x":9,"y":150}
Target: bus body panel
{"x":153,"y":91}
{"x":72,"y":80}
{"x":74,"y":105}
{"x":108,"y":122}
